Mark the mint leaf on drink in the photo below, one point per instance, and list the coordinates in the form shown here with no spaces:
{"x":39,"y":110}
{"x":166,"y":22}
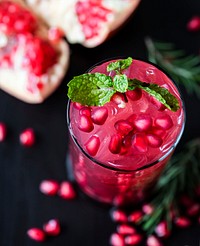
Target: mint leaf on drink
{"x":91,"y":89}
{"x":120,"y":83}
{"x":119,"y":65}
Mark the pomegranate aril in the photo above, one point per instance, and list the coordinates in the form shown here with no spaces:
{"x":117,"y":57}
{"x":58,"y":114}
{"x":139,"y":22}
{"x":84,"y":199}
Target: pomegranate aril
{"x":67,"y":190}
{"x":134,"y":95}
{"x":158,"y":131}
{"x":123,"y":127}
{"x":3,"y":131}
{"x":85,"y":111}
{"x":134,"y":239}
{"x":162,"y":230}
{"x":27,"y":137}
{"x":119,"y":99}
{"x":125,"y":229}
{"x":52,"y":227}
{"x":117,"y":240}
{"x":92,"y":145}
{"x":99,"y":115}
{"x":131,"y":119}
{"x":49,"y":187}
{"x":153,"y":241}
{"x":164,"y":122}
{"x":193,"y":210}
{"x":36,"y":234}
{"x":143,"y":122}
{"x":55,"y":34}
{"x":118,"y":216}
{"x":182,"y":222}
{"x":154,"y":141}
{"x":147,"y":209}
{"x":85,"y":123}
{"x":135,"y":216}
{"x":115,"y":144}
{"x":157,"y":104}
{"x":139,"y":142}
{"x":194,"y":24}
{"x":77,"y":105}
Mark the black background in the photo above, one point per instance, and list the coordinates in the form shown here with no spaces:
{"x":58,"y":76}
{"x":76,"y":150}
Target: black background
{"x":22,"y":205}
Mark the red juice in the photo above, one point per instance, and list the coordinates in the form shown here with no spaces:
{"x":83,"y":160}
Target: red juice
{"x":119,"y":150}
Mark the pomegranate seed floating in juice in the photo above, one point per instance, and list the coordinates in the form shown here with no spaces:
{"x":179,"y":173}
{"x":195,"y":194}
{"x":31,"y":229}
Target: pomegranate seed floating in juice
{"x":119,"y":149}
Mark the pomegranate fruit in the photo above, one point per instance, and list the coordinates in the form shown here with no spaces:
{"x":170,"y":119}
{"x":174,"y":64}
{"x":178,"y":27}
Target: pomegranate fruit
{"x":32,"y":63}
{"x":89,"y":22}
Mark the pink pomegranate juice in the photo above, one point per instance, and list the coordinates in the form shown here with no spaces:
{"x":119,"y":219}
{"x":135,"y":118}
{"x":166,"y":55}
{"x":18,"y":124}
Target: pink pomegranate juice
{"x":119,"y":150}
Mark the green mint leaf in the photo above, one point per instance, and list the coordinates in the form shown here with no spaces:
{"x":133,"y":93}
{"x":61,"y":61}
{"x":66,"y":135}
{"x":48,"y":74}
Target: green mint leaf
{"x":120,"y":83}
{"x":91,"y":89}
{"x":119,"y":65}
{"x":160,"y":93}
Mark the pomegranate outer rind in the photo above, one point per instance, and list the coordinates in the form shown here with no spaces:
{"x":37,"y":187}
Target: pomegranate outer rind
{"x":14,"y":82}
{"x":63,"y":15}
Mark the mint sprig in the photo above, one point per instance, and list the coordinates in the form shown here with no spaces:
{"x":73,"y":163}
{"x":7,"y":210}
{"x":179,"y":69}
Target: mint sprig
{"x":96,"y":89}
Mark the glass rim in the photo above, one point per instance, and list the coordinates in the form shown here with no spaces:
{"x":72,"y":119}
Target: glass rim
{"x":167,"y":154}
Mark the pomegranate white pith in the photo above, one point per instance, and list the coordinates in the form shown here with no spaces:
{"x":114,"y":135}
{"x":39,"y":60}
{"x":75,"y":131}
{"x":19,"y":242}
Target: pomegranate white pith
{"x":88,"y":22}
{"x":31,"y":66}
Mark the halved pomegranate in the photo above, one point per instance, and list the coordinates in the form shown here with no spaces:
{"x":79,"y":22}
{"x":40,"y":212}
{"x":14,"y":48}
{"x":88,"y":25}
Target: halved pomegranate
{"x":89,"y":22}
{"x":31,"y":65}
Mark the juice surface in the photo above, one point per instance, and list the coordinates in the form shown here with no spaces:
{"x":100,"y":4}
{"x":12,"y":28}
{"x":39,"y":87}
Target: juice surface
{"x":134,"y":131}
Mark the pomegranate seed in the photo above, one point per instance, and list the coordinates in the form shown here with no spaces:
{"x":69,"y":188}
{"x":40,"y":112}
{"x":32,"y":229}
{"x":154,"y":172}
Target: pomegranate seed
{"x":186,"y":201}
{"x":193,"y":210}
{"x":67,"y":191}
{"x":158,"y":131}
{"x":147,"y":208}
{"x":164,"y":122}
{"x":117,"y":240}
{"x":77,"y":105}
{"x":123,"y":127}
{"x":194,"y":24}
{"x":85,"y":124}
{"x":99,"y":115}
{"x":27,"y":137}
{"x":55,"y":34}
{"x":125,"y":229}
{"x":92,"y":145}
{"x":134,"y":95}
{"x":135,"y":216}
{"x":36,"y":234}
{"x":118,"y":216}
{"x":154,"y":141}
{"x":182,"y":222}
{"x":3,"y":131}
{"x":52,"y":227}
{"x":157,"y":104}
{"x":139,"y":142}
{"x":134,"y":239}
{"x":131,"y":119}
{"x":49,"y":187}
{"x":115,"y":144}
{"x":85,"y":111}
{"x":162,"y":230}
{"x":143,"y":122}
{"x":119,"y":99}
{"x":153,"y":241}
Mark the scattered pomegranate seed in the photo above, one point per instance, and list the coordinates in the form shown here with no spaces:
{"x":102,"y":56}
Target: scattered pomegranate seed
{"x":92,"y":145}
{"x":27,"y":137}
{"x":154,"y":141}
{"x":162,"y":230}
{"x":99,"y":115}
{"x":147,"y":209}
{"x":52,"y":227}
{"x":67,"y":191}
{"x":134,"y":239}
{"x":134,"y":95}
{"x":139,"y":142}
{"x":85,"y":111}
{"x":117,"y":240}
{"x":153,"y":241}
{"x":193,"y":210}
{"x":194,"y":24}
{"x":55,"y":34}
{"x":123,"y":127}
{"x":119,"y":99}
{"x":135,"y":216}
{"x":143,"y":122}
{"x":36,"y":234}
{"x":85,"y":124}
{"x":115,"y":144}
{"x":3,"y":131}
{"x":164,"y":122}
{"x":182,"y":222}
{"x":125,"y":229}
{"x":118,"y":216}
{"x":49,"y":187}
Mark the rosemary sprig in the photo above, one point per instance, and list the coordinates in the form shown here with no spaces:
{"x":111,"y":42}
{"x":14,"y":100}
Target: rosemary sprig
{"x":184,"y":69}
{"x":181,"y":176}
